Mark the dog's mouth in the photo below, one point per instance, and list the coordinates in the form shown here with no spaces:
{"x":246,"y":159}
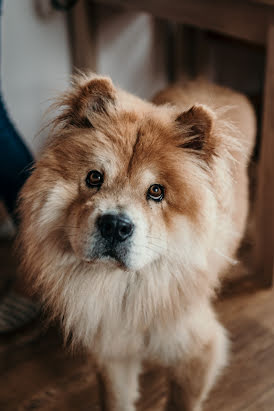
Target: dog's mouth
{"x":111,"y":254}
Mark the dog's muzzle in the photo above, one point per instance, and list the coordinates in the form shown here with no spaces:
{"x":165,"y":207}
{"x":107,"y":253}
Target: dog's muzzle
{"x":115,"y":232}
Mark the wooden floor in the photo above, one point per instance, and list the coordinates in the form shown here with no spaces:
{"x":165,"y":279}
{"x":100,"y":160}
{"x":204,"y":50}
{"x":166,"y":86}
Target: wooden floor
{"x":36,"y":372}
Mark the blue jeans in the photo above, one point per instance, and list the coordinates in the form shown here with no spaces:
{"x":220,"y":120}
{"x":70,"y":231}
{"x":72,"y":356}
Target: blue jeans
{"x":15,"y":158}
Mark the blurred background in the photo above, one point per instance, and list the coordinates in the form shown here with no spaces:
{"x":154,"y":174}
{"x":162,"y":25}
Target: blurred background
{"x":43,"y":42}
{"x":42,"y":47}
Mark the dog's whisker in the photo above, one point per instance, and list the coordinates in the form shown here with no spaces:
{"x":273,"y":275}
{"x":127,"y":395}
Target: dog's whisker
{"x":155,"y":238}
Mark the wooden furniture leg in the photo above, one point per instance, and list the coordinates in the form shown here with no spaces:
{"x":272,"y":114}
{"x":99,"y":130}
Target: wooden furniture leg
{"x":82,"y":33}
{"x":265,"y":196}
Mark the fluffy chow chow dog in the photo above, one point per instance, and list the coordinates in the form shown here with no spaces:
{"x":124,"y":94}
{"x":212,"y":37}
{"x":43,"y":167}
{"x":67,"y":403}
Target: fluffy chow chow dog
{"x":129,"y":219}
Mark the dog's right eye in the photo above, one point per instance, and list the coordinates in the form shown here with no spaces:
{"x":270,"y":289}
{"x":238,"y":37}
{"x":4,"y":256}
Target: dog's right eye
{"x":94,"y":178}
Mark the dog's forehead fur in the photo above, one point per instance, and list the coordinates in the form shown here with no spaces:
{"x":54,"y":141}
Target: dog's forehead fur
{"x":134,"y":148}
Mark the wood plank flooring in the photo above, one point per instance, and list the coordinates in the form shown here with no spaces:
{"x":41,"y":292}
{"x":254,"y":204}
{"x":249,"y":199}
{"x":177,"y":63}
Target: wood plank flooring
{"x":37,"y":373}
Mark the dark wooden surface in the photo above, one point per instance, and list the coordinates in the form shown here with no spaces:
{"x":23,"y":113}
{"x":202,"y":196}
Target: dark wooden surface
{"x":243,"y":19}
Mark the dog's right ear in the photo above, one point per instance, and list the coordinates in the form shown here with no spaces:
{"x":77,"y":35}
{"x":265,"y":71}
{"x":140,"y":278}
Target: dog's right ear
{"x":88,"y":97}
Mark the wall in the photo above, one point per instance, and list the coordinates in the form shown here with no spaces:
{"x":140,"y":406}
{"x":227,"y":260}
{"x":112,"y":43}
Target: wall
{"x":35,"y":64}
{"x":130,"y":48}
{"x":36,"y":59}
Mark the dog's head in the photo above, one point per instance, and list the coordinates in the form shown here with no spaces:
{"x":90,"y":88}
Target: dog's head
{"x":122,"y":182}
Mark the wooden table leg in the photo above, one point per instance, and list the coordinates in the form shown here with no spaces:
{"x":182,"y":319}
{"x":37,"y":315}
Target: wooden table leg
{"x":265,"y":195}
{"x":82,"y":36}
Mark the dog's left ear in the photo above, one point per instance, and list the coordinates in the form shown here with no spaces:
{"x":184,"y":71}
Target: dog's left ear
{"x":90,"y":96}
{"x":195,"y":129}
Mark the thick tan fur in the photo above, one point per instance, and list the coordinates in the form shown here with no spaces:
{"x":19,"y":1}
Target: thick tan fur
{"x":195,"y":140}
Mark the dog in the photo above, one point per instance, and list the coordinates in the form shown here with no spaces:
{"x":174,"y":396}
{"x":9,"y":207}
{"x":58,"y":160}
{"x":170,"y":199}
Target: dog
{"x":130,"y":219}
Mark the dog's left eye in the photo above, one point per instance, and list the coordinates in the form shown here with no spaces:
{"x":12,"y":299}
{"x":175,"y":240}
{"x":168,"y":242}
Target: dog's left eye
{"x":94,"y":178}
{"x":156,"y":192}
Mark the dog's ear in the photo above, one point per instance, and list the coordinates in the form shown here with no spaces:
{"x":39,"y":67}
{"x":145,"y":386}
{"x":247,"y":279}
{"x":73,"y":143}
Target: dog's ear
{"x":195,"y":129}
{"x":88,"y":97}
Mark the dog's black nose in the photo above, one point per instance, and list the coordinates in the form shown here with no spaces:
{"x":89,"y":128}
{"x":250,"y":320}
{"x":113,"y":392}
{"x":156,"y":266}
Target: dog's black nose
{"x":115,"y":227}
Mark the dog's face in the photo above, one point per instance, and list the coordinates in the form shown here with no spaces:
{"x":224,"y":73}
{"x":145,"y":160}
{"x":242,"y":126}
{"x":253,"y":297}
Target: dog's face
{"x":123,"y":181}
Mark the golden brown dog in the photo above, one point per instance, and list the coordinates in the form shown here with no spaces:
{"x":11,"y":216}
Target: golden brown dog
{"x":132,"y":214}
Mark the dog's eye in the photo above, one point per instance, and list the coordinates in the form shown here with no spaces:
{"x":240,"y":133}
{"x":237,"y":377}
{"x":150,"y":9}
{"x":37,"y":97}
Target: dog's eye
{"x":155,"y":192}
{"x":94,"y":178}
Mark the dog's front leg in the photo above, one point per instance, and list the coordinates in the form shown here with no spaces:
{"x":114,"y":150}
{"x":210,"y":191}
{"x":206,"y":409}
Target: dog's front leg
{"x":121,"y":380}
{"x":192,"y":377}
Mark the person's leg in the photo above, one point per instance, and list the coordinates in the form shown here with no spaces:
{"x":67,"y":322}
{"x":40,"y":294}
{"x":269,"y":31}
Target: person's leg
{"x":15,"y":162}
